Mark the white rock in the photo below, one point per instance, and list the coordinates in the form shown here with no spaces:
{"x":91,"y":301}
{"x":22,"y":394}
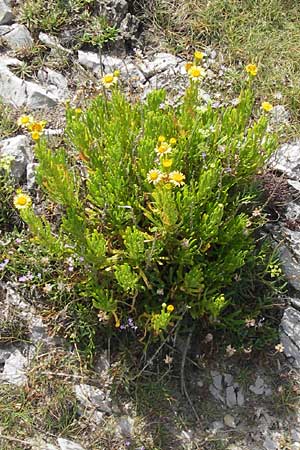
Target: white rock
{"x":91,"y":60}
{"x":279,"y":115}
{"x":287,"y":160}
{"x":295,"y":435}
{"x":53,"y":78}
{"x":4,"y":29}
{"x":14,"y":369}
{"x":65,"y":444}
{"x":216,"y":426}
{"x":125,"y":426}
{"x":6,"y":15}
{"x":53,"y":43}
{"x":295,"y":446}
{"x":12,"y":88}
{"x":289,"y":335}
{"x":92,"y":397}
{"x":18,"y":38}
{"x":229,"y":421}
{"x":38,"y":96}
{"x":19,"y":149}
{"x":290,"y":266}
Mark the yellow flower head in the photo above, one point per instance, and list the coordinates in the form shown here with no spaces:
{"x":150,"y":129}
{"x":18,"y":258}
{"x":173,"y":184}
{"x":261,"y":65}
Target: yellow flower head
{"x":161,"y":138}
{"x":198,"y":55}
{"x":266,"y":106}
{"x":172,"y":141}
{"x":37,"y":126}
{"x":154,"y":176}
{"x":252,"y":69}
{"x":24,"y":121}
{"x":196,"y":72}
{"x":21,"y":201}
{"x":163,"y":148}
{"x":188,"y":65}
{"x":35,"y":135}
{"x":167,"y":163}
{"x":109,"y":80}
{"x":78,"y":111}
{"x":176,"y":178}
{"x":170,"y":308}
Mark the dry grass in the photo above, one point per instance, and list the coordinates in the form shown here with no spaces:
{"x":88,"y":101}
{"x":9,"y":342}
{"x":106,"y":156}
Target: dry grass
{"x":266,"y":32}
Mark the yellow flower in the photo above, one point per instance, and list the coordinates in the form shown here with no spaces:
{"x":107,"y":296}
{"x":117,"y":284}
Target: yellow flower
{"x":196,"y":72}
{"x":251,"y":69}
{"x":109,"y":80}
{"x":154,"y":176}
{"x":161,"y":138}
{"x":35,"y":135}
{"x":167,"y":163}
{"x":24,"y":121}
{"x":198,"y":55}
{"x":172,"y":141}
{"x":78,"y":111}
{"x":163,"y":148}
{"x":176,"y":178}
{"x":37,"y":126}
{"x":21,"y":201}
{"x":188,"y":65}
{"x":266,"y":106}
{"x":170,"y":308}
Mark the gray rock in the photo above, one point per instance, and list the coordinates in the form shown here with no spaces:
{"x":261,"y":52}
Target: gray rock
{"x":14,"y":367}
{"x":53,"y":78}
{"x":90,"y":60}
{"x":295,"y":435}
{"x":4,"y":29}
{"x":38,"y":96}
{"x":259,"y":387}
{"x":228,"y":379}
{"x":217,"y":379}
{"x":295,"y":446}
{"x":295,"y":302}
{"x":19,"y":92}
{"x":92,"y":397}
{"x":279,"y":115}
{"x":290,"y":266}
{"x":125,"y":426}
{"x":269,"y":444}
{"x":53,"y":43}
{"x":287,"y":160}
{"x":65,"y":444}
{"x":216,"y":393}
{"x":289,"y":335}
{"x":230,"y":397}
{"x":6,"y":15}
{"x":18,"y":37}
{"x":19,"y":149}
{"x":293,"y":210}
{"x":216,"y":426}
{"x":295,"y":184}
{"x":113,"y":10}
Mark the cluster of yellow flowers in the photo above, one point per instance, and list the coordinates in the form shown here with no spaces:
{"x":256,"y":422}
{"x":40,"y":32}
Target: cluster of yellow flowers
{"x":21,"y":200}
{"x":35,"y":128}
{"x":252,"y":70}
{"x":110,"y":79}
{"x":155,"y":176}
{"x":194,"y":70}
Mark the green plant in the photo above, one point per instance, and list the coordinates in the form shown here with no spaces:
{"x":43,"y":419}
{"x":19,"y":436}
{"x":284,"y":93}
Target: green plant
{"x":7,"y":188}
{"x":160,"y":205}
{"x":99,"y":32}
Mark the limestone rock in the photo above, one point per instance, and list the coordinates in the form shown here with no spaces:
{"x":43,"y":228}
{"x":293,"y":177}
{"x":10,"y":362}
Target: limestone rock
{"x":18,"y":37}
{"x":18,"y":148}
{"x":287,"y":160}
{"x":6,"y":15}
{"x":290,"y":266}
{"x":65,"y":444}
{"x":14,"y":366}
{"x":290,"y":335}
